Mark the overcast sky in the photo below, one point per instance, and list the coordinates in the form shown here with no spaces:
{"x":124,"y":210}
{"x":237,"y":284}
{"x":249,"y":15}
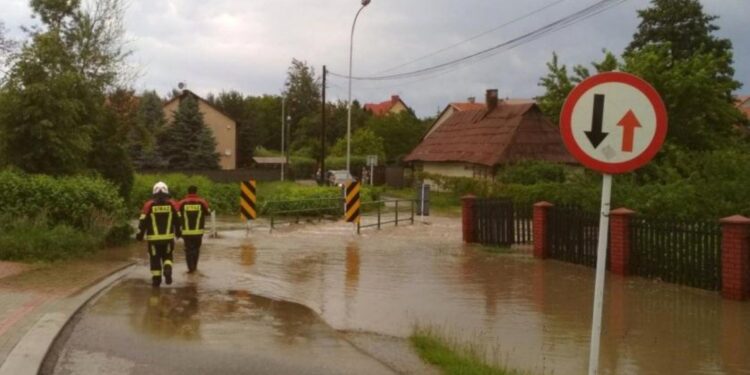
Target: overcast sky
{"x":247,"y":45}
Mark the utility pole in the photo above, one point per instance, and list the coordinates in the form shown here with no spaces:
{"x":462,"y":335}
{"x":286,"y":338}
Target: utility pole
{"x":283,"y":132}
{"x":323,"y":130}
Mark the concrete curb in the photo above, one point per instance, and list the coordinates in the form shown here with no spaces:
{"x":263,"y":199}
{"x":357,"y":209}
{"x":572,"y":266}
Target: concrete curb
{"x":28,"y":355}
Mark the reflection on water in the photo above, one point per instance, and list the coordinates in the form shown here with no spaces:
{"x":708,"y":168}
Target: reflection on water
{"x":352,"y":267}
{"x":537,"y":312}
{"x":168,"y":312}
{"x":247,"y":255}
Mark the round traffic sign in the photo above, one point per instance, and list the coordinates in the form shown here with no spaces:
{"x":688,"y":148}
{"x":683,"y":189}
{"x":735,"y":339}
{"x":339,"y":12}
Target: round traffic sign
{"x":613,"y":122}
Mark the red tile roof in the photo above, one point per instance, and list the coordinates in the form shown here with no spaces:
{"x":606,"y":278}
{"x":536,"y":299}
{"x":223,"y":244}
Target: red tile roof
{"x":514,"y":131}
{"x":743,"y":104}
{"x":382,"y":109}
{"x":467,"y":106}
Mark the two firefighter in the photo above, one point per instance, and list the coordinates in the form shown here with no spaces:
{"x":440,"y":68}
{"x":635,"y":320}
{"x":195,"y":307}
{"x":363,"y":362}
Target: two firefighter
{"x":162,"y":221}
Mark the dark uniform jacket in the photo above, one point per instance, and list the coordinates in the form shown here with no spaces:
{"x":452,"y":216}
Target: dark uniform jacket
{"x":194,"y":210}
{"x":160,"y":220}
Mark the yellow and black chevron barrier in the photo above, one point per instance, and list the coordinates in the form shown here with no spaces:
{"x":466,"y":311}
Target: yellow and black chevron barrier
{"x":352,"y":202}
{"x":247,"y":200}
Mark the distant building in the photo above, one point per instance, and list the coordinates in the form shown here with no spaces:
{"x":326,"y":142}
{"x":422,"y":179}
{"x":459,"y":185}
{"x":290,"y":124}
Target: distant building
{"x":476,"y":142}
{"x":450,"y":109}
{"x":223,"y":127}
{"x":743,"y":104}
{"x":393,"y":106}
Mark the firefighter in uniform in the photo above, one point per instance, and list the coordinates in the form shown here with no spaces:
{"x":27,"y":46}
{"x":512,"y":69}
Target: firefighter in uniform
{"x":160,"y":222}
{"x":194,"y":210}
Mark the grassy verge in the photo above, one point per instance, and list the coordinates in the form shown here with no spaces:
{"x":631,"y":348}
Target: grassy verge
{"x":442,"y":203}
{"x":37,"y":241}
{"x":450,"y":357}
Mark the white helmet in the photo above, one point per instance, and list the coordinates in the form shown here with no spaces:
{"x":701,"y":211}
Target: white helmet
{"x":160,"y":187}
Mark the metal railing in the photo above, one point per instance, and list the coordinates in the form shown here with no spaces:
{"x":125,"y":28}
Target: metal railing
{"x":278,"y":211}
{"x":373,"y":213}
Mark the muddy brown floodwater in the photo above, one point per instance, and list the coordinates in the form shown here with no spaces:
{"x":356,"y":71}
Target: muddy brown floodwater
{"x":531,"y":315}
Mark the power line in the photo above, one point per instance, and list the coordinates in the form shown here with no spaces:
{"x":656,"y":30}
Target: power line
{"x":560,"y":24}
{"x":477,"y":36}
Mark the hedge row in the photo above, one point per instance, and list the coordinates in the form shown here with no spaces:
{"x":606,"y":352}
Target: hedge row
{"x":74,"y":201}
{"x":691,"y":186}
{"x":224,"y":197}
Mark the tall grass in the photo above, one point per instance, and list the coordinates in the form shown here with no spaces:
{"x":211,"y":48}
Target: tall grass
{"x":453,"y":357}
{"x":38,"y":240}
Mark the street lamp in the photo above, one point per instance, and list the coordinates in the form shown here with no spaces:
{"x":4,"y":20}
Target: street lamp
{"x":283,"y":132}
{"x":349,"y":115}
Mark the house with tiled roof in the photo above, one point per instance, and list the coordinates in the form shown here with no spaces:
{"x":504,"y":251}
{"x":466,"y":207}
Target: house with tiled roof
{"x":223,"y":127}
{"x":450,"y":109}
{"x":393,"y":106}
{"x":476,"y":142}
{"x":743,"y":104}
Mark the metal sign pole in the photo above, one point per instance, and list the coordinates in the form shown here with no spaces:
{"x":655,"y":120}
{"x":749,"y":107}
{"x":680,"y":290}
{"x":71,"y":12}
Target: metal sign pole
{"x":421,"y":211}
{"x":601,"y":264}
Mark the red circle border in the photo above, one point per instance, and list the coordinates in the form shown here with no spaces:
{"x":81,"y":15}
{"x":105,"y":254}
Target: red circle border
{"x":653,"y":148}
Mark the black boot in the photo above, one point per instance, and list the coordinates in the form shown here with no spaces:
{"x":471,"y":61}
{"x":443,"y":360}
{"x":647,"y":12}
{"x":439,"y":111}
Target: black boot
{"x":168,"y":274}
{"x":155,"y":281}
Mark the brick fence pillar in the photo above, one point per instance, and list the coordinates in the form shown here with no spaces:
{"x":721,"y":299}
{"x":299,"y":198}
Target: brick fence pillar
{"x":735,"y":258}
{"x":619,"y":237}
{"x":467,"y":217}
{"x":541,"y":247}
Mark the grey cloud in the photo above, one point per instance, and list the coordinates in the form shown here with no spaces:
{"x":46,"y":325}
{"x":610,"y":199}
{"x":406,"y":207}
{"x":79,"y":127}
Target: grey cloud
{"x":247,"y":45}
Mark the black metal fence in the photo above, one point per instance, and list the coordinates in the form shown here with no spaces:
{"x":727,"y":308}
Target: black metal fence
{"x":393,"y":211}
{"x":680,"y":252}
{"x":293,"y":211}
{"x":572,"y":235}
{"x":499,"y":222}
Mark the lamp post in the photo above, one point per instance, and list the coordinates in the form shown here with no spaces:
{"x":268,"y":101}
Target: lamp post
{"x":349,"y":103}
{"x":283,"y":132}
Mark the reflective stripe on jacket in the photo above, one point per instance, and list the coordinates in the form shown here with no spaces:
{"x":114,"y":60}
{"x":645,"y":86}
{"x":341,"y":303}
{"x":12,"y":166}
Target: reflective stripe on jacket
{"x":160,"y":220}
{"x":194,"y":210}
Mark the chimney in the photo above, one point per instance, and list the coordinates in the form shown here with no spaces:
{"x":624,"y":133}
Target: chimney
{"x":491,"y":100}
{"x":395,"y":99}
{"x":472,"y":100}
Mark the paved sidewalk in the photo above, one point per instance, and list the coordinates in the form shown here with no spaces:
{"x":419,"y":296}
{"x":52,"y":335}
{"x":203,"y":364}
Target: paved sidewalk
{"x":29,"y":291}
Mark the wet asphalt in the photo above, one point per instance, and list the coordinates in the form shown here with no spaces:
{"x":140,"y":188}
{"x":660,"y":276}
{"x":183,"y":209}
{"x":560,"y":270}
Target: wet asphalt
{"x":287,"y":302}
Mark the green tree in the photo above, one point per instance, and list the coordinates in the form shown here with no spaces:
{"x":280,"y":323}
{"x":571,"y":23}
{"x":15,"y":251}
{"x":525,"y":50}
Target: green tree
{"x":109,"y":156}
{"x":6,"y":45}
{"x":54,"y":95}
{"x":676,"y":50}
{"x":303,"y":102}
{"x":558,"y":83}
{"x":364,"y":142}
{"x":700,"y":117}
{"x":188,"y":143}
{"x":266,"y":121}
{"x":400,"y":133}
{"x":686,"y":29}
{"x":143,"y":137}
{"x":234,"y":104}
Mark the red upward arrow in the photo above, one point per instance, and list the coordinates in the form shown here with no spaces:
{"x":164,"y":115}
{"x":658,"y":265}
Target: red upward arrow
{"x":629,"y":122}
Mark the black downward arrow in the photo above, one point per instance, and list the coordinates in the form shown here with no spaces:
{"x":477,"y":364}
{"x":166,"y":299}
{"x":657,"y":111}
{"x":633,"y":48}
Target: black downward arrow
{"x":596,"y":135}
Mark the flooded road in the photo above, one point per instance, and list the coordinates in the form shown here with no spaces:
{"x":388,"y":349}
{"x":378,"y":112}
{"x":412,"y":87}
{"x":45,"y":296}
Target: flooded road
{"x":531,"y":315}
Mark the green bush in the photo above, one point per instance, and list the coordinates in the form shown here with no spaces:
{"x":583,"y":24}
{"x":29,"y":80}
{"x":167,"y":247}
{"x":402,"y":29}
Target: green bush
{"x":72,"y":201}
{"x":302,"y":168}
{"x":36,"y":240}
{"x":224,"y":198}
{"x":532,"y":172}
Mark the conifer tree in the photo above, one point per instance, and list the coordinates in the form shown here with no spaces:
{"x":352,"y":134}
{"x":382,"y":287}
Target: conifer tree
{"x":188,"y":143}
